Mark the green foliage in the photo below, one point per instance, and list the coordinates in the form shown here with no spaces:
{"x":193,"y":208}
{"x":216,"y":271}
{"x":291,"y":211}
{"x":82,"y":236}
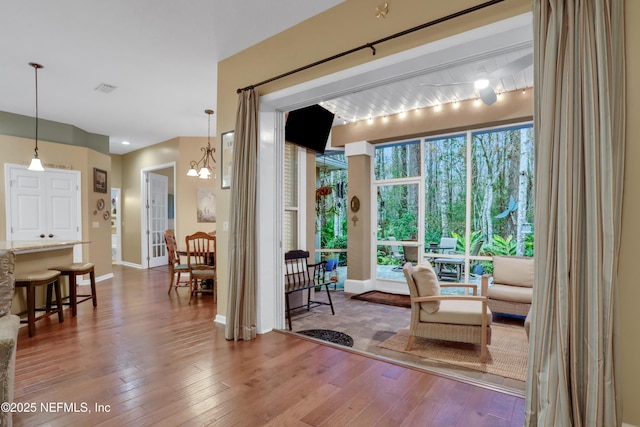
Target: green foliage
{"x":501,"y":246}
{"x":528,"y":245}
{"x":385,"y":258}
{"x":476,"y":236}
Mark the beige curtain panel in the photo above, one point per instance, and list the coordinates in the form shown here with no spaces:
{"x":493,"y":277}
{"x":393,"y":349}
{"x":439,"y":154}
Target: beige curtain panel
{"x":579,"y":115}
{"x":241,"y":302}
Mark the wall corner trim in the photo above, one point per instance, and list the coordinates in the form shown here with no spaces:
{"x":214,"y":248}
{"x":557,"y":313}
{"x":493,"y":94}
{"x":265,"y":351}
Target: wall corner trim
{"x":359,"y":148}
{"x":352,"y":286}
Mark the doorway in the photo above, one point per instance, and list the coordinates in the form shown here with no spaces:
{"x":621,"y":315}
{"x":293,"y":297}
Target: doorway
{"x":158,"y":183}
{"x":116,"y":227}
{"x":371,"y":74}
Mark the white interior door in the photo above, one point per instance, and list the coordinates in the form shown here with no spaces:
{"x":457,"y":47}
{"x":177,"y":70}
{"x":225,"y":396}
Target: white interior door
{"x":62,"y":201}
{"x":158,"y":218}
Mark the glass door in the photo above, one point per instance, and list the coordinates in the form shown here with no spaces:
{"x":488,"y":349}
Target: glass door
{"x":398,"y":197}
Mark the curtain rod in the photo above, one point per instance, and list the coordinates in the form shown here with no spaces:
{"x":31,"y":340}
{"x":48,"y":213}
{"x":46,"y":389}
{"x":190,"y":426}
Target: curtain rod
{"x":372,"y":44}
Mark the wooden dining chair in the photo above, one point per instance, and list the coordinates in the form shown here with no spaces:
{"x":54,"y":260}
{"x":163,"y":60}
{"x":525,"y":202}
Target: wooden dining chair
{"x":175,"y":266}
{"x":201,"y":261}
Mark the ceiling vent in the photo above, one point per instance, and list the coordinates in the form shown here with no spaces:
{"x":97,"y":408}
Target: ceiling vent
{"x":105,"y":88}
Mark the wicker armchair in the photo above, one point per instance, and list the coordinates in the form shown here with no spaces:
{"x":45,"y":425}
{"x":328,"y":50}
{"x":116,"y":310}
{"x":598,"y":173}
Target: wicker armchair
{"x":460,"y":318}
{"x":512,"y":288}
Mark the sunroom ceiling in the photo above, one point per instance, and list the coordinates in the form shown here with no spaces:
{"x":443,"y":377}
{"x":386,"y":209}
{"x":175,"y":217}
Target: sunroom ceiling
{"x":442,"y":84}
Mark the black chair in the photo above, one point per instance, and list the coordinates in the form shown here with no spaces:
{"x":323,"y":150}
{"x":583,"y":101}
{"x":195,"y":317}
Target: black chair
{"x":299,"y":276}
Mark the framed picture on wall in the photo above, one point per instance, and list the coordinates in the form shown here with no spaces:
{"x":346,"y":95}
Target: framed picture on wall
{"x":226,"y":158}
{"x":99,"y":180}
{"x":206,"y":205}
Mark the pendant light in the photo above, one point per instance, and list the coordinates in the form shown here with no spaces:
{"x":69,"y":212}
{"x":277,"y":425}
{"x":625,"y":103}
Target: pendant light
{"x":207,"y":162}
{"x":36,"y":164}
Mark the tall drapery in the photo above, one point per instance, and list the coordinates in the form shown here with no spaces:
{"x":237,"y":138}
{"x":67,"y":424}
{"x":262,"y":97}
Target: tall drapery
{"x":579,"y":113}
{"x":241,"y":302}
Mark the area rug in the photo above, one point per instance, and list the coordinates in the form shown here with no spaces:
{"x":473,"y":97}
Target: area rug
{"x":328,"y":335}
{"x":507,"y":354}
{"x":386,"y":298}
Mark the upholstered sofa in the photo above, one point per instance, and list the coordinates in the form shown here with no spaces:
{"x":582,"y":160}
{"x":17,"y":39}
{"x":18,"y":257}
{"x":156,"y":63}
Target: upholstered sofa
{"x":512,"y":289}
{"x":9,"y":324}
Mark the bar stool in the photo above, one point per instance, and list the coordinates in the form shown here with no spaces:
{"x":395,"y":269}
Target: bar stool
{"x":72,"y":271}
{"x":30,"y":281}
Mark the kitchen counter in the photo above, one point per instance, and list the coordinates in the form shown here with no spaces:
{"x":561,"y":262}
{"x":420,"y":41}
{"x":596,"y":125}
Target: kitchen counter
{"x":36,"y":255}
{"x":28,"y":246}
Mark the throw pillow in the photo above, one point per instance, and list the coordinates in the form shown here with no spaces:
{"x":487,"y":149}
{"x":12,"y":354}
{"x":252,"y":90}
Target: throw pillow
{"x":428,"y":286}
{"x":515,"y":271}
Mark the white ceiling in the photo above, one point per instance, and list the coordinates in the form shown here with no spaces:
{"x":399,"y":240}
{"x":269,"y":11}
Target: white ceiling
{"x":442,"y":84}
{"x":162,"y":56}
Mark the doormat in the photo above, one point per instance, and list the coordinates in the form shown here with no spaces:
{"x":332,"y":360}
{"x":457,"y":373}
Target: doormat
{"x":386,"y":298}
{"x":328,"y":335}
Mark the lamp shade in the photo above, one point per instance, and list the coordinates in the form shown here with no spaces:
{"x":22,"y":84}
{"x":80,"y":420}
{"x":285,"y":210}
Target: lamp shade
{"x":36,"y":165}
{"x":204,"y":173}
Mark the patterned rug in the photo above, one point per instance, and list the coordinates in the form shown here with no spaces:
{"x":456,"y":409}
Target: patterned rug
{"x":507,"y":354}
{"x":386,"y":298}
{"x":328,"y":335}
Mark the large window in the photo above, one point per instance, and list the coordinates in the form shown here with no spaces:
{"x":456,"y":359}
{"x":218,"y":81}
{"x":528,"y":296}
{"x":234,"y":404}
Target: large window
{"x":331,"y":214}
{"x":473,"y":188}
{"x":502,"y":190}
{"x":397,"y":169}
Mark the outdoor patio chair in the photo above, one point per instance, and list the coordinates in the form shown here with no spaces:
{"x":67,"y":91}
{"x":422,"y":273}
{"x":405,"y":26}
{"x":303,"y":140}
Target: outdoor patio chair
{"x":448,"y":267}
{"x":451,"y":266}
{"x":459,"y":318}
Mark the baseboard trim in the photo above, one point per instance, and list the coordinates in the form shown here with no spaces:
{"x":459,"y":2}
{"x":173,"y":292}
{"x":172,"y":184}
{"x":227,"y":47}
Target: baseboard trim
{"x":220,"y":319}
{"x":130,"y":264}
{"x":358,"y":286}
{"x":98,"y":279}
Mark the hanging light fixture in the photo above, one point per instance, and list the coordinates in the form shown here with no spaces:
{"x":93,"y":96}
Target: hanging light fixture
{"x":36,"y":164}
{"x":207,"y":163}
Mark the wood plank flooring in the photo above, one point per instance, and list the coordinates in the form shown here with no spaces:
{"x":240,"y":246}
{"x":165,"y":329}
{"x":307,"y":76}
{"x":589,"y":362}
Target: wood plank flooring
{"x":144,"y":358}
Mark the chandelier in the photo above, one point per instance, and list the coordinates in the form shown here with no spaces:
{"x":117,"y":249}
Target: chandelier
{"x":36,"y":164}
{"x":207,"y":164}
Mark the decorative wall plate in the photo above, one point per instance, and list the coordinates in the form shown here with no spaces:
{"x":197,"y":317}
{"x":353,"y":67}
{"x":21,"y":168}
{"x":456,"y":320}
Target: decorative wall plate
{"x":355,"y":204}
{"x":106,"y":214}
{"x":100,"y":204}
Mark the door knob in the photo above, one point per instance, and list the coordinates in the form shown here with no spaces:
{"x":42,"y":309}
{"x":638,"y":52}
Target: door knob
{"x":50,"y":235}
{"x":42,"y":236}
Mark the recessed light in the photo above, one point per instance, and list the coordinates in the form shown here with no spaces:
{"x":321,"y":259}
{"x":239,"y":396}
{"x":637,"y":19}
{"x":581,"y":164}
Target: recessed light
{"x":125,"y":143}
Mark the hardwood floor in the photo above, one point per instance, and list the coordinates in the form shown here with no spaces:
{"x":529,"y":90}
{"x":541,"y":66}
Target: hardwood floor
{"x":143,"y":358}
